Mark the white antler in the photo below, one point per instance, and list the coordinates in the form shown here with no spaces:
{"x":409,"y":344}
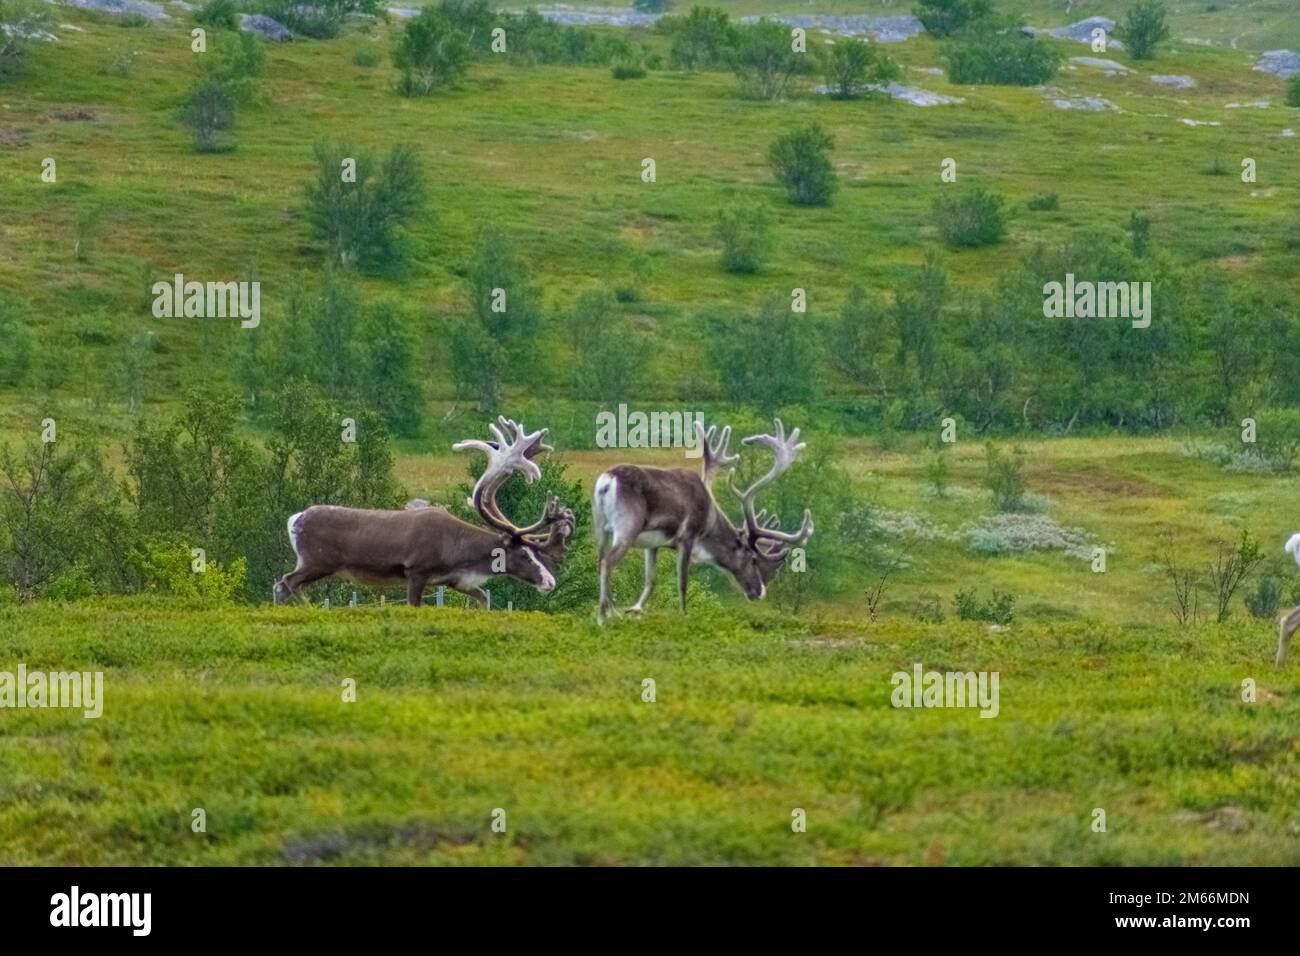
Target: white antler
{"x":714,"y":451}
{"x":785,"y":449}
{"x":513,"y":450}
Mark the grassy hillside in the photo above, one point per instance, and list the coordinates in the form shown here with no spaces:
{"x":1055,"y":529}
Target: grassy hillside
{"x":458,"y":713}
{"x":531,"y":147}
{"x":1106,"y":701}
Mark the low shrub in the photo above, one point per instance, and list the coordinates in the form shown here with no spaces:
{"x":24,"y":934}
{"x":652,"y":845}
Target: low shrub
{"x":971,"y":219}
{"x":1000,"y":608}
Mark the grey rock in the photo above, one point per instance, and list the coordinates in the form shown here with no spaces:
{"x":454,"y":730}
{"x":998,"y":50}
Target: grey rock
{"x":1081,"y":32}
{"x":596,"y":16}
{"x":144,"y":8}
{"x":881,"y":29}
{"x":24,"y":33}
{"x":908,"y":94}
{"x":1181,"y":82}
{"x":1089,"y":104}
{"x":1281,"y":63}
{"x":1112,"y":67}
{"x":265,"y":26}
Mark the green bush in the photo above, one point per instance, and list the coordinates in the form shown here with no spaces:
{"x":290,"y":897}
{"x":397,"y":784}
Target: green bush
{"x":627,"y":68}
{"x":218,"y":13}
{"x":801,"y":162}
{"x":19,"y":348}
{"x":366,"y":56}
{"x":743,"y":231}
{"x":704,"y":39}
{"x":972,"y":219}
{"x":852,"y":66}
{"x":209,"y":111}
{"x":607,"y":352}
{"x":764,"y":61}
{"x":320,"y":19}
{"x":534,"y":39}
{"x":1047,"y":202}
{"x":998,"y":609}
{"x":943,"y":18}
{"x":236,"y":63}
{"x":1144,"y":26}
{"x":1003,"y":57}
{"x":431,"y":54}
{"x":61,"y":520}
{"x":762,"y":360}
{"x":172,"y":568}
{"x":499,"y":330}
{"x":360,"y":222}
{"x":1266,"y":600}
{"x":1293,"y":91}
{"x":1004,"y":477}
{"x":25,"y":20}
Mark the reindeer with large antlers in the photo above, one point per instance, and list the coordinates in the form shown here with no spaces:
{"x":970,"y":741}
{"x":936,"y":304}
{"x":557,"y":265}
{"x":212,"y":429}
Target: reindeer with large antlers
{"x":652,"y":508}
{"x":428,"y":545}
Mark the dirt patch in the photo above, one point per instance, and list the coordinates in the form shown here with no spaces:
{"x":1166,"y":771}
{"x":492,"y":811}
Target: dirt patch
{"x":11,"y":138}
{"x":76,"y":114}
{"x":1096,"y":484}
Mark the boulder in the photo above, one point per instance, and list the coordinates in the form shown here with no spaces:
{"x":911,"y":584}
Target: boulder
{"x":1081,"y":32}
{"x":264,"y":26}
{"x":1281,"y":63}
{"x":144,"y":8}
{"x":27,"y":33}
{"x":1112,"y":67}
{"x":1181,"y":82}
{"x":893,"y":29}
{"x":1089,"y":104}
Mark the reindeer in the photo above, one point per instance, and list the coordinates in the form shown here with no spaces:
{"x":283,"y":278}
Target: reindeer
{"x":652,"y":508}
{"x":425,"y":545}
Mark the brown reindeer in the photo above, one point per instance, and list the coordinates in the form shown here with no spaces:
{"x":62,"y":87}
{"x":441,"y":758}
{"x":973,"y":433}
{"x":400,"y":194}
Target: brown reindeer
{"x":428,"y":545}
{"x":652,"y":508}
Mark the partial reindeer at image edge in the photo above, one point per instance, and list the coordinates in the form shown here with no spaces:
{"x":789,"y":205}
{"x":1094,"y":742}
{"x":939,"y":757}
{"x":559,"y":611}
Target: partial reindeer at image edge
{"x":652,"y":508}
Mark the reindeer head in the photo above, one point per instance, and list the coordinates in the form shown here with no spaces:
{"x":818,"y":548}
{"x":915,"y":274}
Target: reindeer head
{"x":764,"y":547}
{"x":533,"y":552}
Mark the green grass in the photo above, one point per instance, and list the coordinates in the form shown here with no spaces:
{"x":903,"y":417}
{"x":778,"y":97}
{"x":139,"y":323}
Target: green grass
{"x":239,"y":711}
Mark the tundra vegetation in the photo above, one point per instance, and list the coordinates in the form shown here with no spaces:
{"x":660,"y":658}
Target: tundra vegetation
{"x":1102,"y":530}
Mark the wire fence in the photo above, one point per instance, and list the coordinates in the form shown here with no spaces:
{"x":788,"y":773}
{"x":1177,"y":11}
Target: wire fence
{"x":439,"y":600}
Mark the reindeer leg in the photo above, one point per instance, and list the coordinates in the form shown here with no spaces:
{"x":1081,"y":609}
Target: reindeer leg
{"x":639,"y":606}
{"x":1284,"y":632}
{"x":683,"y":570}
{"x":474,"y":594}
{"x":608,"y":561}
{"x":415,"y":588}
{"x":292,"y":583}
